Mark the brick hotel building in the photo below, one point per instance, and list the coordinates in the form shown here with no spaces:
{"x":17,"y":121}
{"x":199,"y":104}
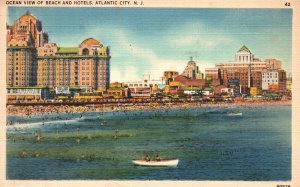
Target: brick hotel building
{"x":32,"y":61}
{"x":247,"y":69}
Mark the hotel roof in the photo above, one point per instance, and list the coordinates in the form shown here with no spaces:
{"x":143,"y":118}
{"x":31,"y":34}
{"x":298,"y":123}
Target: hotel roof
{"x":244,"y":48}
{"x":90,"y":41}
{"x":27,"y":16}
{"x":67,"y":50}
{"x":189,"y":82}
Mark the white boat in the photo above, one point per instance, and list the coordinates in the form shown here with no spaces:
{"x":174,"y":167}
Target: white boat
{"x":234,"y":114}
{"x":162,"y":163}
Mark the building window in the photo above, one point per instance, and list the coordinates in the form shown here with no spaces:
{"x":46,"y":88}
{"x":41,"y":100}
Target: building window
{"x":85,"y":51}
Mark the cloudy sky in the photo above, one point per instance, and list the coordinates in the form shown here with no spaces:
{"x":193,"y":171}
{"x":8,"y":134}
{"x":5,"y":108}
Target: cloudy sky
{"x":151,"y":40}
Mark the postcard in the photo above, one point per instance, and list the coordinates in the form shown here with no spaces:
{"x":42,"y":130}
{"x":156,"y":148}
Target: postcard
{"x":140,"y":93}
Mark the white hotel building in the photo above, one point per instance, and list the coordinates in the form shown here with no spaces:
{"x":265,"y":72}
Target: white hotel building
{"x":274,"y":78}
{"x":144,"y":87}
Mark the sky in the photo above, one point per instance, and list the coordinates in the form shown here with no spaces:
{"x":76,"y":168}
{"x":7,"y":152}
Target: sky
{"x":152,"y":40}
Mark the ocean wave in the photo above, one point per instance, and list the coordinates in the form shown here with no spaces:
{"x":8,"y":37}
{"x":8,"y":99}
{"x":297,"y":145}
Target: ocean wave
{"x":40,"y":123}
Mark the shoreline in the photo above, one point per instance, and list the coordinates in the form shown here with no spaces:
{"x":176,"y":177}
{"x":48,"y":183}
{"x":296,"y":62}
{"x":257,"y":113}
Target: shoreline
{"x":13,"y":110}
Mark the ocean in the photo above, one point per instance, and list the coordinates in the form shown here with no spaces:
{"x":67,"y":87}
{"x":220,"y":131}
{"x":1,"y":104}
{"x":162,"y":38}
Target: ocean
{"x":212,"y":143}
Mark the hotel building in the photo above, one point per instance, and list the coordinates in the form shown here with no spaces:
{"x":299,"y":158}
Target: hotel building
{"x":22,"y":40}
{"x":274,"y":80}
{"x":85,"y":66}
{"x":247,"y":69}
{"x":144,"y":87}
{"x":192,"y":70}
{"x":169,"y":76}
{"x":33,"y":61}
{"x":273,"y":64}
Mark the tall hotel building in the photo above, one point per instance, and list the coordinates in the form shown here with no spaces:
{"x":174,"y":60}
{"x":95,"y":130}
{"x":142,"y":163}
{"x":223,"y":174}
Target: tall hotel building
{"x":33,"y":61}
{"x":245,"y":68}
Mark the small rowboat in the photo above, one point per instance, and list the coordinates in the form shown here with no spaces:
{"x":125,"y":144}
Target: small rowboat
{"x":154,"y":163}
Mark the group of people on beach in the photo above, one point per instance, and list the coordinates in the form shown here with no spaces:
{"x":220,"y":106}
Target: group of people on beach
{"x":42,"y":109}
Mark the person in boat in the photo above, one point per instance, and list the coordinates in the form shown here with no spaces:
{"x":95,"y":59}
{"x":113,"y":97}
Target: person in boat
{"x":158,"y":157}
{"x":148,"y":158}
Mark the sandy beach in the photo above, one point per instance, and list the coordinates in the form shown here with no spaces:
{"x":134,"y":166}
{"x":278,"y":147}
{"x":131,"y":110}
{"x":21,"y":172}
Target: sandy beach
{"x":40,"y":109}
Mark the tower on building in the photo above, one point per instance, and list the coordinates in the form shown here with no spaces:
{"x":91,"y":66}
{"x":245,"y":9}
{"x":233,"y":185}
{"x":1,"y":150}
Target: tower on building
{"x":244,"y":55}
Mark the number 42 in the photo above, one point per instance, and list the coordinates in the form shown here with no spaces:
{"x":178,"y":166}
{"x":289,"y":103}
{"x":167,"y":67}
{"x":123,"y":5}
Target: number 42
{"x":287,"y":4}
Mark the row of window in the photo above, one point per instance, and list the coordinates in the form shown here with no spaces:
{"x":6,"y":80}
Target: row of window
{"x":17,"y":54}
{"x":270,"y":81}
{"x":17,"y":45}
{"x":86,"y":84}
{"x":52,"y":74}
{"x":138,"y":85}
{"x":245,"y":58}
{"x":17,"y":57}
{"x":82,"y":61}
{"x":46,"y":51}
{"x":72,"y":66}
{"x":66,"y":69}
{"x":271,"y":73}
{"x":71,"y":83}
{"x":23,"y":28}
{"x":17,"y":78}
{"x":16,"y":73}
{"x":270,"y":77}
{"x":85,"y":63}
{"x":243,"y":77}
